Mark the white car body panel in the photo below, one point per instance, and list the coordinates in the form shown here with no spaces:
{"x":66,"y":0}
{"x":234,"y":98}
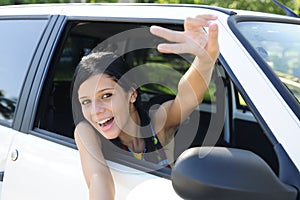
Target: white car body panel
{"x":133,"y":183}
{"x":62,"y":175}
{"x":6,"y":138}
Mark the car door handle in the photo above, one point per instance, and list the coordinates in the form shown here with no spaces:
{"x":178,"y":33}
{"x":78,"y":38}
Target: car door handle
{"x":1,"y":176}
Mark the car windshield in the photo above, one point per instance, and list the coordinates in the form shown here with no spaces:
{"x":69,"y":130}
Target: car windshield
{"x":279,"y":45}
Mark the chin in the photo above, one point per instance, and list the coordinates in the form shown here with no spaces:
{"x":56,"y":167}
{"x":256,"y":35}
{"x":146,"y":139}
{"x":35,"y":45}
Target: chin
{"x":111,"y":135}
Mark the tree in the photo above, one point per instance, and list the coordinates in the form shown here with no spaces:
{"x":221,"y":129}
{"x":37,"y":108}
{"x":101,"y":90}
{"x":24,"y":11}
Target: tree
{"x":255,"y":5}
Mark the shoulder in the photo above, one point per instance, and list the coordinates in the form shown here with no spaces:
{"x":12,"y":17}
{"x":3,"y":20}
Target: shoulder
{"x":84,"y":133}
{"x":83,"y":126}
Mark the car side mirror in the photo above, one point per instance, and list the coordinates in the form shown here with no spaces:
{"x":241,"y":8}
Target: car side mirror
{"x":227,"y":173}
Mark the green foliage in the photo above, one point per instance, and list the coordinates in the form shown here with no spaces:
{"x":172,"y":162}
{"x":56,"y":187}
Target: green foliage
{"x":5,"y":2}
{"x":297,"y":10}
{"x":254,"y":5}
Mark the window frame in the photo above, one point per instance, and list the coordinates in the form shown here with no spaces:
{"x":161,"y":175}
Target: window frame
{"x":36,"y":74}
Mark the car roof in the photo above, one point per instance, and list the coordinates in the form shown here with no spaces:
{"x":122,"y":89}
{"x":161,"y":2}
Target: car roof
{"x":159,"y":11}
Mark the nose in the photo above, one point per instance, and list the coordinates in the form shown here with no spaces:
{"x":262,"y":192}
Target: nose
{"x":98,"y":107}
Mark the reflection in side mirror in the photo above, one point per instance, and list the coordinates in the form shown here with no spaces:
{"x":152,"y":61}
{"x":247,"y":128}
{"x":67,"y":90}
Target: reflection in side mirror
{"x":226,"y":173}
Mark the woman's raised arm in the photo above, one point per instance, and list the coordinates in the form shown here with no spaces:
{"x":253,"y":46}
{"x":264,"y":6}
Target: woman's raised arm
{"x":192,"y":86}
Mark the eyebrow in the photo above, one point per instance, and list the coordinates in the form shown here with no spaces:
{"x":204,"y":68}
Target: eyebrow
{"x":99,"y":91}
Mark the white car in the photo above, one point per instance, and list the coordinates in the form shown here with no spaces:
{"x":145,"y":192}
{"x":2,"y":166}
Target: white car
{"x":242,"y":142}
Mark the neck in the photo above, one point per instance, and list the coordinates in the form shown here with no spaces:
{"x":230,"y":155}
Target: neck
{"x":137,"y":145}
{"x":133,"y":139}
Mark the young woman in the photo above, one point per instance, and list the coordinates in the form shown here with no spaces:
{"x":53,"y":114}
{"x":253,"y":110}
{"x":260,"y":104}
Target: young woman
{"x":110,"y":104}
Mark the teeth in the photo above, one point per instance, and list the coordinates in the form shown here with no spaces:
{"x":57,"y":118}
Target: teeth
{"x":104,"y":121}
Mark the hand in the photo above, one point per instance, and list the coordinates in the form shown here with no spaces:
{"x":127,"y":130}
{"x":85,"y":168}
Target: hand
{"x":193,"y":39}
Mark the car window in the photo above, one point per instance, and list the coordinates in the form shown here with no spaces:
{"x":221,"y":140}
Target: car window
{"x":278,"y":44}
{"x":55,"y":114}
{"x":18,"y":39}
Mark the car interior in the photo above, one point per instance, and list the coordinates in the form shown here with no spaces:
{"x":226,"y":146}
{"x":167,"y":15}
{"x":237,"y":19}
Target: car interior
{"x":137,"y":45}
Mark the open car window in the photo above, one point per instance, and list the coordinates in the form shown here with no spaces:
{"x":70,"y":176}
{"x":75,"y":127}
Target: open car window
{"x":157,"y":77}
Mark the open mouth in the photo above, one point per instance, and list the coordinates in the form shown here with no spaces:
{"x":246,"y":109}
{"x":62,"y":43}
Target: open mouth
{"x":105,"y":122}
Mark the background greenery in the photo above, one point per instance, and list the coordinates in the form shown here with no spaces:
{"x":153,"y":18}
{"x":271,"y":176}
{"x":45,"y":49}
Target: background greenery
{"x":255,"y":5}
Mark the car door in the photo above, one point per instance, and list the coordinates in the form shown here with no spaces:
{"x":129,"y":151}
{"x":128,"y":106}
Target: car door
{"x":16,"y":55}
{"x":42,"y":161}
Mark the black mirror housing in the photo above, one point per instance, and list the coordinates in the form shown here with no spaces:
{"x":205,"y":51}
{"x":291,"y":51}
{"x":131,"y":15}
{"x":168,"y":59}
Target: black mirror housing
{"x":227,"y":173}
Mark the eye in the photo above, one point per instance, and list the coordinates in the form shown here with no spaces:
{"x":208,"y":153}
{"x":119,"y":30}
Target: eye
{"x":85,"y":102}
{"x":106,"y":95}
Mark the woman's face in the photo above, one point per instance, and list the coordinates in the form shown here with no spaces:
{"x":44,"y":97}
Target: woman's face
{"x":105,"y":105}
